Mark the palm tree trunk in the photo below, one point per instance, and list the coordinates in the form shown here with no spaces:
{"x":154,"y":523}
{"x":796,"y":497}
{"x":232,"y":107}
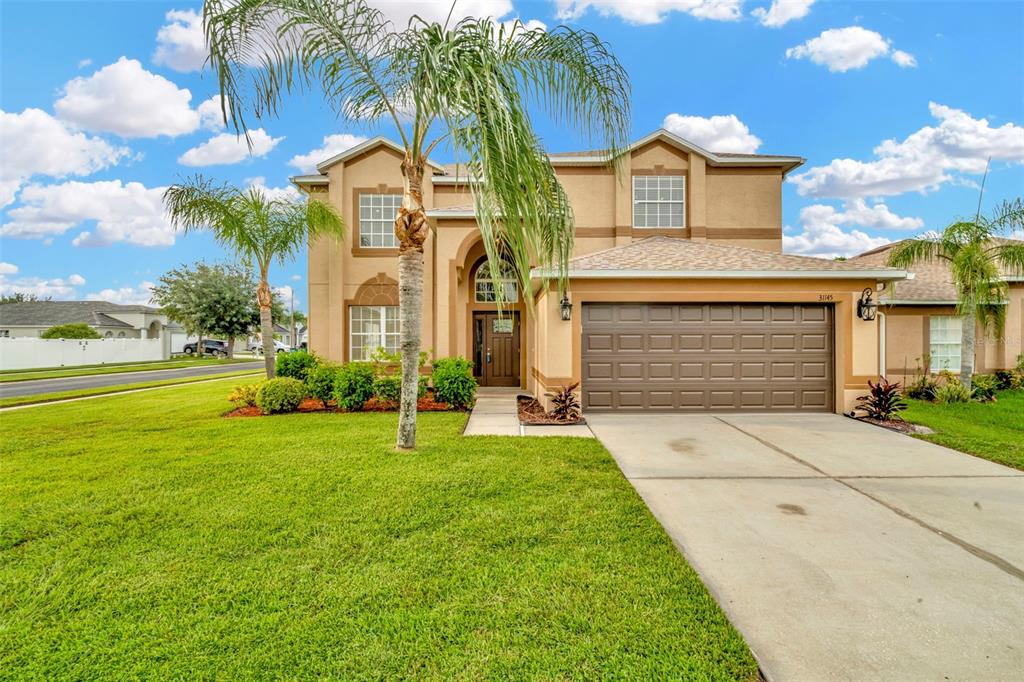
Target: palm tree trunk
{"x":967,"y":348}
{"x":411,"y":230}
{"x":264,"y":297}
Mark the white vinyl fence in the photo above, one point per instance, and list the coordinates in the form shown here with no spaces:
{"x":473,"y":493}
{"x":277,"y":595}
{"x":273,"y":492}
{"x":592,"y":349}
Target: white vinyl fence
{"x":28,"y":353}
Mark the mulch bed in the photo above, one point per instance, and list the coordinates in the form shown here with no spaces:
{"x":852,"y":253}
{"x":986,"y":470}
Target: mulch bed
{"x":531,"y":412}
{"x":897,"y":425}
{"x":425,"y":404}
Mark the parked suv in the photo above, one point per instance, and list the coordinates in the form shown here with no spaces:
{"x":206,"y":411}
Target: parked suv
{"x":212,"y":347}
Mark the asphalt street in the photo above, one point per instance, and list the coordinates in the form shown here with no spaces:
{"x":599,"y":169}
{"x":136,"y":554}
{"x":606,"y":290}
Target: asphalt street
{"x":22,"y":388}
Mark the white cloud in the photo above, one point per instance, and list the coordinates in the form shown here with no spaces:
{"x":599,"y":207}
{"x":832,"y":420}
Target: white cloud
{"x":82,"y":63}
{"x":228,"y":148}
{"x":925,"y":160}
{"x":399,"y":12}
{"x":286,"y":193}
{"x":904,"y":59}
{"x":782,"y":12}
{"x":284,"y":293}
{"x":210,"y":116}
{"x":38,"y":286}
{"x":33,"y":142}
{"x":650,"y":11}
{"x":822,"y":235}
{"x":127,"y":212}
{"x":332,"y":145}
{"x":180,"y":43}
{"x":717,"y":134}
{"x":125,"y":99}
{"x":140,"y":295}
{"x":295,"y":278}
{"x":843,"y":49}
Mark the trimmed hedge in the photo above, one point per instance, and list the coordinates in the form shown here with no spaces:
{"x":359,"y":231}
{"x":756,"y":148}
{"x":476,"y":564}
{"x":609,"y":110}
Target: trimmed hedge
{"x":320,"y":382}
{"x":282,"y":394}
{"x":353,"y":385}
{"x":296,"y":365}
{"x":454,"y":382}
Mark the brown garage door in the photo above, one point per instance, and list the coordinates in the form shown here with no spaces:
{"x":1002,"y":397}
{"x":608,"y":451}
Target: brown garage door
{"x":698,"y":357}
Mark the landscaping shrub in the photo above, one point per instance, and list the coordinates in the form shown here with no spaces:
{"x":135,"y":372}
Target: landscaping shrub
{"x":320,"y":382}
{"x":984,"y":387}
{"x":884,"y":401}
{"x":454,"y":382}
{"x":952,"y":392}
{"x":282,"y":394}
{"x":1004,"y":379}
{"x":76,"y":330}
{"x":353,"y":385}
{"x":922,"y":388}
{"x":565,"y":404}
{"x":296,"y":365}
{"x":388,"y":388}
{"x":245,"y":395}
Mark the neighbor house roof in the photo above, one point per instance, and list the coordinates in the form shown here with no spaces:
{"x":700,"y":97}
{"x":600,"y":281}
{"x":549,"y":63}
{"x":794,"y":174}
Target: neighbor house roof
{"x":50,"y":313}
{"x":671,"y":257}
{"x":932,"y":283}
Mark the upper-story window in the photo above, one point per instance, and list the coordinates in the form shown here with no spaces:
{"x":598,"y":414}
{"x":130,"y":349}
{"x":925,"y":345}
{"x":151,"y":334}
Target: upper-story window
{"x":486,"y":283}
{"x":659,"y":201}
{"x":377,"y":214}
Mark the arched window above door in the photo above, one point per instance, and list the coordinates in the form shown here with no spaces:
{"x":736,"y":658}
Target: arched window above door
{"x":486,"y":282}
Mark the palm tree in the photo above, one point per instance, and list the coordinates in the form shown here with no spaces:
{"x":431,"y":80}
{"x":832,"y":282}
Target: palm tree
{"x":256,"y":227}
{"x":468,"y":86}
{"x":976,"y":257}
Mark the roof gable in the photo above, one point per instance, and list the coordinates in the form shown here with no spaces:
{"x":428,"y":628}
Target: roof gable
{"x":363,"y":147}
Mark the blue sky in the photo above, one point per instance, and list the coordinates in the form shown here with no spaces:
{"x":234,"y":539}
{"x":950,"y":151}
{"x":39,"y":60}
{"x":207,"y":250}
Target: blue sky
{"x":896,"y":107}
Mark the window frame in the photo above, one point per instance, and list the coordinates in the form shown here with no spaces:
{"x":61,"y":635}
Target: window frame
{"x":956,"y":330}
{"x":658,"y":201}
{"x":382,"y":310}
{"x":395,"y":197}
{"x":505,"y":279}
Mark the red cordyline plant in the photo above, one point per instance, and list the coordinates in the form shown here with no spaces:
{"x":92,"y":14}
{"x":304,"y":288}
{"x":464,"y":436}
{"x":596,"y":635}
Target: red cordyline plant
{"x":884,"y":402}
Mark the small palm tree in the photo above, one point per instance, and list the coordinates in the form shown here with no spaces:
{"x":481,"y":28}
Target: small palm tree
{"x":468,"y":86}
{"x":259,"y":229}
{"x":976,"y":256}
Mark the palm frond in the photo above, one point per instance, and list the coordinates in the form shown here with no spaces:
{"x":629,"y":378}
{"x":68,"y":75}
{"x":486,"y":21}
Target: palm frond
{"x":912,"y":251}
{"x":1011,"y":256}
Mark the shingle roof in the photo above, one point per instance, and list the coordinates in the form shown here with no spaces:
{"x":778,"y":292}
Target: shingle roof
{"x":668,"y":256}
{"x":932,"y":281}
{"x":49,"y":313}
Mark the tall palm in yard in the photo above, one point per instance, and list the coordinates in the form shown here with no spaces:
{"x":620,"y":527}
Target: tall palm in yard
{"x":466,"y":85}
{"x":258,"y":228}
{"x":976,"y":256}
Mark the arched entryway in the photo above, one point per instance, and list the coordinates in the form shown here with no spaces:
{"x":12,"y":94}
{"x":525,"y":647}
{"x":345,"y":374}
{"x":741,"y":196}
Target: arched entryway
{"x":495,"y":336}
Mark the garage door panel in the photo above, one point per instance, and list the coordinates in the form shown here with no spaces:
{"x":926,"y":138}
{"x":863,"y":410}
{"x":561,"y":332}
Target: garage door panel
{"x":691,"y":357}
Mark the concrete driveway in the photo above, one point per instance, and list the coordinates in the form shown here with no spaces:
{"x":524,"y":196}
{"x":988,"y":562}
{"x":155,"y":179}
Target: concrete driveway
{"x":840,"y":550}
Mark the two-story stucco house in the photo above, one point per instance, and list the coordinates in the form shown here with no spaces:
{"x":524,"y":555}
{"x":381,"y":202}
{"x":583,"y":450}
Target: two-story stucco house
{"x":679,"y":296}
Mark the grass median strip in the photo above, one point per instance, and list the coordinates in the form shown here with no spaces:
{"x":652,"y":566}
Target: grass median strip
{"x":9,"y":376}
{"x":147,"y":536}
{"x":103,"y":390}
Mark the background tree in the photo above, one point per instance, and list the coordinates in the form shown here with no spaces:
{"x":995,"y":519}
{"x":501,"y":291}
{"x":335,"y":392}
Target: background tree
{"x":20,"y":297}
{"x":976,"y":257}
{"x":469,"y":85}
{"x":257,"y":228}
{"x":75,"y":330}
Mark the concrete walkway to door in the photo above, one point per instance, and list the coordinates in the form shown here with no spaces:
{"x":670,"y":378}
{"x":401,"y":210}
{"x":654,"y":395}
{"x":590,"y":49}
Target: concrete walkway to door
{"x":496,"y":413}
{"x":840,"y":550}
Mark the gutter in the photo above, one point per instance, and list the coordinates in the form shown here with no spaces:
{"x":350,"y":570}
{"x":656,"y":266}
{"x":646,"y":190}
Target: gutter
{"x":880,"y":275}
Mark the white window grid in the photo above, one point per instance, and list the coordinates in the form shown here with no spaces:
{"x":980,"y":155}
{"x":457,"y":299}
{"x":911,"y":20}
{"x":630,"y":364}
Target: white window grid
{"x":944,"y":336}
{"x":659,"y":201}
{"x":372,"y":327}
{"x":377,"y":214}
{"x":484,"y":284}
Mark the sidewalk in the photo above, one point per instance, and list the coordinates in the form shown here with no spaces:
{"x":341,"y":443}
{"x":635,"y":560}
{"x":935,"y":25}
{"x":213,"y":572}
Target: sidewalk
{"x":496,"y":413}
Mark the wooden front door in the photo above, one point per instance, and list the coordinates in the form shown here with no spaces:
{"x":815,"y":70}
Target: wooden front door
{"x":496,"y":348}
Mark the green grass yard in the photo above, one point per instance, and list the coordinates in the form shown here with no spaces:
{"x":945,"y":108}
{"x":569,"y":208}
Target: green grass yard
{"x":146,"y":536}
{"x":90,"y":370}
{"x":994,"y":431}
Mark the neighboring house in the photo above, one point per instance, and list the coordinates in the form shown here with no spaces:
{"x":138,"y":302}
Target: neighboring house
{"x":111,"y":320}
{"x":679,"y":296}
{"x":918,"y":322}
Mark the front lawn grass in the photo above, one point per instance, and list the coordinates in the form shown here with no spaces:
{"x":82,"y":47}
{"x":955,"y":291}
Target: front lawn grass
{"x":145,"y":536}
{"x":8,"y":376}
{"x":994,"y":431}
{"x":103,"y":390}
